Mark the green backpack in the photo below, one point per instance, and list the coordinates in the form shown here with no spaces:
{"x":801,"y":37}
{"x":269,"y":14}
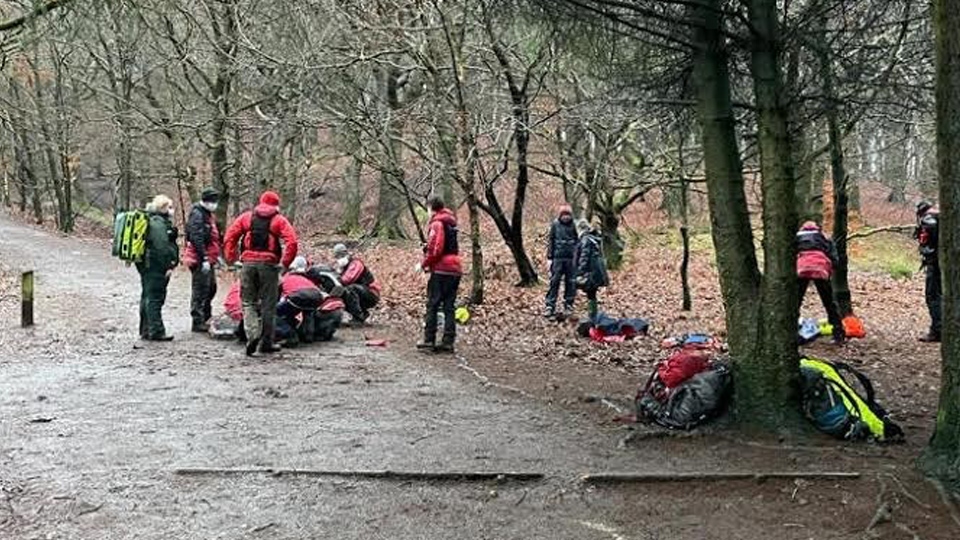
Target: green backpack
{"x":836,"y":408}
{"x":130,"y":235}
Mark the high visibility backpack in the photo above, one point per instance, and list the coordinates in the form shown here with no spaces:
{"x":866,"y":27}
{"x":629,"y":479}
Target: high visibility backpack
{"x":836,"y":408}
{"x":130,"y":235}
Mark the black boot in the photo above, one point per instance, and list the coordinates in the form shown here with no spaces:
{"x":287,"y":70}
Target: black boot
{"x":252,"y":345}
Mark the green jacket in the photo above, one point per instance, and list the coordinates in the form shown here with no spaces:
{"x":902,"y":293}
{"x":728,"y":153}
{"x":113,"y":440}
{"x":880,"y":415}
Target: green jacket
{"x":162,"y":251}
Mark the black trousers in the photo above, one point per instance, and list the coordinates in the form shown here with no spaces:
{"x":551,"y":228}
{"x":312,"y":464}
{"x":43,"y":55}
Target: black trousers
{"x":203,"y":290}
{"x":934,"y":295}
{"x":561,"y":271}
{"x":359,"y":299}
{"x":441,"y":296}
{"x":825,"y":291}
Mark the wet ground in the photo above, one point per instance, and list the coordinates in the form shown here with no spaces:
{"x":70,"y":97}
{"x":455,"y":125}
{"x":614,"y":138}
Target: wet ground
{"x":94,"y":425}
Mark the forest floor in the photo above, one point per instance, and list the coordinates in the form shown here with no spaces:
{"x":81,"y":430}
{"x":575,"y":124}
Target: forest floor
{"x":94,"y":424}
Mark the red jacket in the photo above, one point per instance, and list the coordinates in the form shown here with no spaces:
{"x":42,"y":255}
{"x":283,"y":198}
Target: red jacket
{"x":201,"y":218}
{"x":280,"y":229}
{"x":357,"y":272}
{"x":232,"y":303}
{"x":292,"y":283}
{"x":434,"y":259}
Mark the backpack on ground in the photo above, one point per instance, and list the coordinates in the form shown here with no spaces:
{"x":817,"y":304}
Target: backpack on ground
{"x":130,"y":235}
{"x":836,"y":408}
{"x":701,"y":392}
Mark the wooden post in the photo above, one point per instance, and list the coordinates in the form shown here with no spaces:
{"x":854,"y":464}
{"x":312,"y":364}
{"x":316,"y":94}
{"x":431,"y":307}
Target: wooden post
{"x":26,"y":312}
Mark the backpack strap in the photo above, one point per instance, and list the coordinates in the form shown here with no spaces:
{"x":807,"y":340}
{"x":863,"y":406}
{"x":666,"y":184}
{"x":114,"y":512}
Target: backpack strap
{"x":861,"y":378}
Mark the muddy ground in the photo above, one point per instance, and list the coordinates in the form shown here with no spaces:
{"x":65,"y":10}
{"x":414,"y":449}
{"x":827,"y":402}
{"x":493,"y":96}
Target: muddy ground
{"x":94,"y":425}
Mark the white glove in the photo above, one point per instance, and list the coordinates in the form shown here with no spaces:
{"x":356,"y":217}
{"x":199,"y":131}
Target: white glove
{"x":205,"y":267}
{"x":419,"y":268}
{"x":549,"y":264}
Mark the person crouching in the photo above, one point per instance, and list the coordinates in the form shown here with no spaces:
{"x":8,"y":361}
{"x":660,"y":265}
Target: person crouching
{"x":816,"y":259}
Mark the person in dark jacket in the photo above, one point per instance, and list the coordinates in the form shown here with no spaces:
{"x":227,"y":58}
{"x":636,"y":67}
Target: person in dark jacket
{"x":927,"y":234}
{"x":561,"y":248}
{"x":816,"y":259}
{"x":159,"y":260}
{"x":361,"y":289}
{"x":591,"y":266}
{"x":269,"y":244}
{"x":201,"y":256}
{"x":441,"y":258}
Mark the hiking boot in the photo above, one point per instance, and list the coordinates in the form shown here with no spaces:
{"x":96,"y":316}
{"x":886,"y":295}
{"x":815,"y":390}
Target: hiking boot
{"x":549,"y":313}
{"x":444,"y":348}
{"x":269,"y":348}
{"x":426,"y":346}
{"x":160,"y":338}
{"x":838,"y":340}
{"x":200,"y":328}
{"x":929,"y":338}
{"x":252,"y":346}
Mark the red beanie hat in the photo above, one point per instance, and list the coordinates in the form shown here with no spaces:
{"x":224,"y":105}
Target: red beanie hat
{"x":270,"y":198}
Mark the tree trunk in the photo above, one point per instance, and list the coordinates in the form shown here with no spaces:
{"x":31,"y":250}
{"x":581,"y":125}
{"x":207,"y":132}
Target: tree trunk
{"x":612,"y":243}
{"x":350,"y":221}
{"x":838,"y":172}
{"x":942,"y":457}
{"x":767,"y":380}
{"x":224,"y":24}
{"x":729,"y":214}
{"x":476,"y":251}
{"x":685,"y":235}
{"x":390,"y":203}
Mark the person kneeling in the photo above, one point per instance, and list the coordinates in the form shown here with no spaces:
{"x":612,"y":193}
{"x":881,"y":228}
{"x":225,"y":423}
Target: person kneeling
{"x":361,"y":290}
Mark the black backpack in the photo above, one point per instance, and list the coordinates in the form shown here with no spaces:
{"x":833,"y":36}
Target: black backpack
{"x":694,"y":401}
{"x":451,"y":246}
{"x":260,"y":234}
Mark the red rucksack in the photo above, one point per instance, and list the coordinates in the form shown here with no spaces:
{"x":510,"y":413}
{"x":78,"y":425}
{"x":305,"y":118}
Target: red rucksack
{"x":681,"y":365}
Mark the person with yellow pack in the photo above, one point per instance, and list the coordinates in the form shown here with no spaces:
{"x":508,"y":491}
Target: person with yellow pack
{"x":160,"y":257}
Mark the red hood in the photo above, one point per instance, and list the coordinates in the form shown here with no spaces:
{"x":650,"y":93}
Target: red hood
{"x":445,"y":216}
{"x":265,"y":210}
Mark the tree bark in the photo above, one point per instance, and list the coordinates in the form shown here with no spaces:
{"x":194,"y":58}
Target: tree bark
{"x":350,"y":221}
{"x":224,"y":23}
{"x":942,"y":457}
{"x":838,"y":172}
{"x":766,"y":382}
{"x":390,"y":204}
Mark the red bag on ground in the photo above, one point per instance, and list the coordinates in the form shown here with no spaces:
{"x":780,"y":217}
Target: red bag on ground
{"x":853,"y":327}
{"x":681,"y":365}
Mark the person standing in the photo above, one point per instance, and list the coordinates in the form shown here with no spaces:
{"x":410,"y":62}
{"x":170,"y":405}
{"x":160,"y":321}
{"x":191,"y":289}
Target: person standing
{"x":591,"y":266}
{"x":816,"y":259}
{"x":561,"y":248}
{"x":269,"y":243}
{"x":361,"y":289}
{"x":201,"y":256}
{"x":928,"y":236}
{"x":441,"y":258}
{"x":161,"y":256}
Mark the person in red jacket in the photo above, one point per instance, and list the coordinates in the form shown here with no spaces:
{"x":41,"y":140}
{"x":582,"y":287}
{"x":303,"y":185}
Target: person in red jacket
{"x":441,"y":258}
{"x":201,"y":256}
{"x":361,"y":289}
{"x":268,"y":243}
{"x":816,"y":258}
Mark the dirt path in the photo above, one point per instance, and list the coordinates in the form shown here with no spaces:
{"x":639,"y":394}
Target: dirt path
{"x":93,"y":423}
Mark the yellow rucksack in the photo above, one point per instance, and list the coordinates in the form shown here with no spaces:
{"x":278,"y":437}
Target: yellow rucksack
{"x":130,"y":235}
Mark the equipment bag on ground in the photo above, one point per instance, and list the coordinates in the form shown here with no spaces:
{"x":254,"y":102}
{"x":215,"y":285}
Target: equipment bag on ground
{"x":836,"y":408}
{"x":702,"y":391}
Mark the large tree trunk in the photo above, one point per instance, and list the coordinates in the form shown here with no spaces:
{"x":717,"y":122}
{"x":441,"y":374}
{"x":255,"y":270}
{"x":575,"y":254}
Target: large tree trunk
{"x":391,"y":201}
{"x":476,"y":251}
{"x":350,"y":221}
{"x":838,"y":171}
{"x":729,"y":214}
{"x":767,"y":381}
{"x":942,"y":457}
{"x":224,"y":23}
